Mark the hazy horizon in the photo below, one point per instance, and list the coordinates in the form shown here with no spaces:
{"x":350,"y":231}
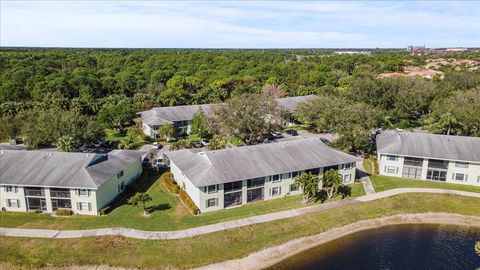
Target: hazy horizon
{"x":239,"y":25}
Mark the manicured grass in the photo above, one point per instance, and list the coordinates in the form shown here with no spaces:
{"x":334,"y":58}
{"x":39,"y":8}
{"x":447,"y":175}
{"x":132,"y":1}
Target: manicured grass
{"x":170,"y":213}
{"x":115,"y":136}
{"x":215,"y":247}
{"x":381,"y":183}
{"x":367,"y":165}
{"x":234,"y":140}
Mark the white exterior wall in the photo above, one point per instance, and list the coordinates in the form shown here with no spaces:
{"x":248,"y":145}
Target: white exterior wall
{"x":109,"y":190}
{"x":19,"y":195}
{"x":186,"y":184}
{"x":384,"y":164}
{"x":473,"y":170}
{"x":473,"y":173}
{"x":148,"y":130}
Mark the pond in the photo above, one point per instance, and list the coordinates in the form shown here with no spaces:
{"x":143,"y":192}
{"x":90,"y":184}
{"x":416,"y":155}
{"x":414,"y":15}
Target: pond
{"x":394,"y":247}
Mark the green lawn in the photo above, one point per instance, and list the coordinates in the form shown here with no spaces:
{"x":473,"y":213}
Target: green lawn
{"x":115,"y":136}
{"x":381,"y":183}
{"x":234,"y":140}
{"x":171,"y":214}
{"x":214,"y":247}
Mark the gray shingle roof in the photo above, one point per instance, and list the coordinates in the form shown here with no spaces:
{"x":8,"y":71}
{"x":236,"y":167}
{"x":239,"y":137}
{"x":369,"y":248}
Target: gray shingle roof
{"x":227,"y":165}
{"x":428,"y":145}
{"x":162,"y":115}
{"x":59,"y":169}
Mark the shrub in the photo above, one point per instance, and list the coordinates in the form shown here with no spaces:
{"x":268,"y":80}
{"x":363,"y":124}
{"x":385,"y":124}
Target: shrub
{"x":105,"y":210}
{"x":38,"y":211}
{"x":188,"y":202}
{"x":169,"y":183}
{"x":63,"y":212}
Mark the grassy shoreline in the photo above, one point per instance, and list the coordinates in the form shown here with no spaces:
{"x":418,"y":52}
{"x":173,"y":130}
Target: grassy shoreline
{"x":219,"y":246}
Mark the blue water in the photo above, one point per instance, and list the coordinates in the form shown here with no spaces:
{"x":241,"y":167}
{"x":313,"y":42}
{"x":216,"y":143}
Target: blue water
{"x":401,"y":247}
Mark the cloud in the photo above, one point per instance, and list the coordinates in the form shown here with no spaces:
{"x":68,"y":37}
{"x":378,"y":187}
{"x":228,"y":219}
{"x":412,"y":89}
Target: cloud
{"x":238,"y":24}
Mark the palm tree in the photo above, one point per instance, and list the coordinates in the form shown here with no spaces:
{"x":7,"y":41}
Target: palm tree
{"x":331,"y":180}
{"x":309,"y":185}
{"x":140,"y":198}
{"x":447,"y":122}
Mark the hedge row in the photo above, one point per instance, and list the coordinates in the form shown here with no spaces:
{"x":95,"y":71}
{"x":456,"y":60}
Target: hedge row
{"x":63,"y":212}
{"x":188,"y":202}
{"x":173,"y":187}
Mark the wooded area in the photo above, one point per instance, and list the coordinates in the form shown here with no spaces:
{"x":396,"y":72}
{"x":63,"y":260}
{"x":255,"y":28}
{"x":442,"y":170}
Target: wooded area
{"x":92,"y":89}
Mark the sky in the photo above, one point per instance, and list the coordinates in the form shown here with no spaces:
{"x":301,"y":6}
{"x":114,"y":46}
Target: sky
{"x":239,"y":24}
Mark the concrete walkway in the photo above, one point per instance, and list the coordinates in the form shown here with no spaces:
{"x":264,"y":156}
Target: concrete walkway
{"x":186,"y":233}
{"x":365,"y":179}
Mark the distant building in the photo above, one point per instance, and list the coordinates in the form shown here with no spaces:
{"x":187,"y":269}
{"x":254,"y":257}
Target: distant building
{"x":451,"y":159}
{"x":181,"y":116}
{"x":412,"y":48}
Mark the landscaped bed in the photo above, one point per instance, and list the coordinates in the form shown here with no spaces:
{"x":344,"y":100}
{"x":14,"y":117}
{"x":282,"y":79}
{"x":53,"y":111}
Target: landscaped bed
{"x":166,"y":211}
{"x":219,"y":246}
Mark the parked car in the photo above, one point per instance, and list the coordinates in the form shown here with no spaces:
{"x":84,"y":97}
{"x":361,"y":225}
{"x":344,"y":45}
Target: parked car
{"x":197,"y":144}
{"x":270,"y":136}
{"x":277,"y":134}
{"x":157,"y":145}
{"x":205,"y":142}
{"x":292,"y":132}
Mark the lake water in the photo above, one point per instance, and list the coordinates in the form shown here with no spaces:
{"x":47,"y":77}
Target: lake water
{"x":401,"y":247}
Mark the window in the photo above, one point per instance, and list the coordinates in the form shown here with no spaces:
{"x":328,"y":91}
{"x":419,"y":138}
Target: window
{"x":212,"y":189}
{"x":284,"y":176}
{"x":295,"y":174}
{"x":347,"y":178}
{"x":212,"y":202}
{"x":257,"y":182}
{"x":11,"y":189}
{"x":392,"y":158}
{"x":268,"y":178}
{"x":461,"y":164}
{"x":120,"y":174}
{"x":409,"y":161}
{"x":412,"y":172}
{"x":347,"y":166}
{"x":84,"y":206}
{"x":435,"y":163}
{"x":293,"y":187}
{"x":276,"y":191}
{"x":121,"y":186}
{"x":232,"y":186}
{"x":436,"y":175}
{"x":390,"y":169}
{"x":13,"y":203}
{"x":460,"y":177}
{"x":276,"y":178}
{"x":82,"y":192}
{"x":315,"y":171}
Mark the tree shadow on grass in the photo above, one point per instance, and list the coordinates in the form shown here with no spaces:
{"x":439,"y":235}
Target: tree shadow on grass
{"x":148,"y":177}
{"x":158,"y":207}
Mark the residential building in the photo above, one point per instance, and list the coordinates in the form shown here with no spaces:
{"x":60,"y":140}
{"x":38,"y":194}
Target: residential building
{"x":47,"y":181}
{"x":181,"y":116}
{"x":452,"y":159}
{"x":240,"y":175}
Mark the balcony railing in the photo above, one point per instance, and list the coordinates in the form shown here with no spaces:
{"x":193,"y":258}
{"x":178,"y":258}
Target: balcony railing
{"x":59,"y":193}
{"x":34,"y":192}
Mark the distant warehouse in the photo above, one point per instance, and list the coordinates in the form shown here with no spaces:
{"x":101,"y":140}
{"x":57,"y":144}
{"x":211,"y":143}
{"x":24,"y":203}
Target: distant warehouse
{"x":454,"y":159}
{"x":181,"y":116}
{"x":235,"y":176}
{"x":46,"y":181}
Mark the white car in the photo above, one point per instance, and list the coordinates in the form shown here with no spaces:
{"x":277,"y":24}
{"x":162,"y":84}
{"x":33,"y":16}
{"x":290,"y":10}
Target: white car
{"x":156,"y":145}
